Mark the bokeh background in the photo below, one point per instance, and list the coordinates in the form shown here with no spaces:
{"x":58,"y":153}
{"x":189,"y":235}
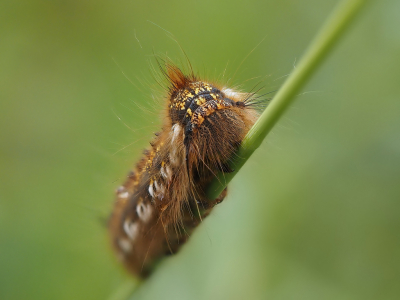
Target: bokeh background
{"x":313,"y":215}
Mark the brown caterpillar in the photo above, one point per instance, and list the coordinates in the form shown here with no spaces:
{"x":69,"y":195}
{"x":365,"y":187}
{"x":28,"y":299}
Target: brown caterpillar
{"x":163,"y":199}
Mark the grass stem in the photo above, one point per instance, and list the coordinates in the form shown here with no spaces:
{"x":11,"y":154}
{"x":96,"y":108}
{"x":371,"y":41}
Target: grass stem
{"x":334,"y":28}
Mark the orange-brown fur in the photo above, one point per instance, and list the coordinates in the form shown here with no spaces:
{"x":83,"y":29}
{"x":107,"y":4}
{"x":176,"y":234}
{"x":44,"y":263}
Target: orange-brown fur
{"x":163,"y":200}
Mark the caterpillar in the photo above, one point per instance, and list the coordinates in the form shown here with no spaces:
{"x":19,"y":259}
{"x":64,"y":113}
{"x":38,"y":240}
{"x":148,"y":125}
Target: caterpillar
{"x":163,"y":199}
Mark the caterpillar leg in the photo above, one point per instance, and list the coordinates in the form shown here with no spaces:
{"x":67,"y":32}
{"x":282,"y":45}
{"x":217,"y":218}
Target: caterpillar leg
{"x":221,"y":197}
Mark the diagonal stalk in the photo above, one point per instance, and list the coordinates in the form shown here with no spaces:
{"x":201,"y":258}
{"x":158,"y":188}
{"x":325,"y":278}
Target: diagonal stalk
{"x":334,"y":28}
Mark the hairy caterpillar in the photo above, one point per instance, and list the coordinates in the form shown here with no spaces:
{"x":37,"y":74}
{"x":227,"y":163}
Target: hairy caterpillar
{"x":163,"y":199}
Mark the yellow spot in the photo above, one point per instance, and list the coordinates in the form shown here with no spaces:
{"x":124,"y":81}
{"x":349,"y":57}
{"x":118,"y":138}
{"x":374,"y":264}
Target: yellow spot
{"x":200,"y":101}
{"x":162,"y":164}
{"x":189,"y":112}
{"x":214,"y":97}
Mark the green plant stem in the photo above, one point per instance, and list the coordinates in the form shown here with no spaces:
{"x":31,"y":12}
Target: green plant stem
{"x":331,"y":31}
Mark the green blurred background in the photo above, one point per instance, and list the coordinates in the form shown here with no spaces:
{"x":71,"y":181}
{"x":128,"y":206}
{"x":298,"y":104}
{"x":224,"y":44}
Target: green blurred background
{"x":313,"y":215}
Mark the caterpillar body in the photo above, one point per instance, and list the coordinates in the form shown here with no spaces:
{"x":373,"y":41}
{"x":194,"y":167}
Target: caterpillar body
{"x":163,"y":198}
